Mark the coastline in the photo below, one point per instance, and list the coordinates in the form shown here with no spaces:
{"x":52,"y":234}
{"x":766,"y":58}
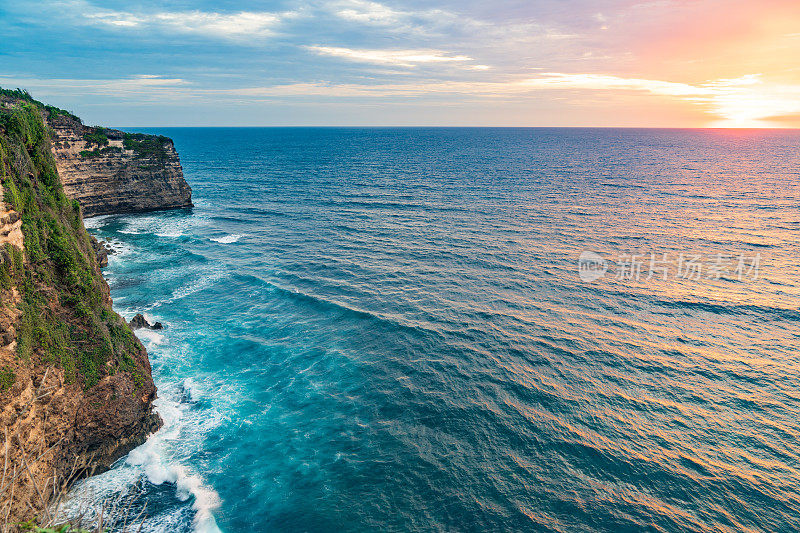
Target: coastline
{"x":150,"y":461}
{"x":77,"y":391}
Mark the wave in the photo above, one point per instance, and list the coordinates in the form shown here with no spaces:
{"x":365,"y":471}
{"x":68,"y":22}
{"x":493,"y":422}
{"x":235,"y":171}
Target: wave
{"x":187,"y":485}
{"x":162,"y":224}
{"x":152,"y":459}
{"x":170,"y":234}
{"x":227,"y":239}
{"x":732,"y":309}
{"x":150,"y":462}
{"x":95,"y":222}
{"x":150,"y":338}
{"x":119,"y":250}
{"x":318,"y":302}
{"x":196,"y":286}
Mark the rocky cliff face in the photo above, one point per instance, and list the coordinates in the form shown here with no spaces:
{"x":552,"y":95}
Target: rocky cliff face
{"x":110,"y":171}
{"x":76,"y":391}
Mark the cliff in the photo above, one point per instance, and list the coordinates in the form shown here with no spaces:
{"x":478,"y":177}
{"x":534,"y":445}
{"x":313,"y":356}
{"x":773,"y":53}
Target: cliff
{"x":110,"y":171}
{"x":76,"y":391}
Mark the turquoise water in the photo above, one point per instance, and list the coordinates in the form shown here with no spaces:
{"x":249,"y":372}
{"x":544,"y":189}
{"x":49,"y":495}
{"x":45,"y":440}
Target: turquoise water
{"x":385,"y":329}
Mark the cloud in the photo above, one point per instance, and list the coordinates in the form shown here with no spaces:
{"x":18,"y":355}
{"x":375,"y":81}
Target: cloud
{"x":554,"y":80}
{"x":143,"y":87}
{"x":748,"y":101}
{"x":240,"y":25}
{"x":404,"y":58}
{"x":551,"y":81}
{"x":429,"y":23}
{"x":368,"y":12}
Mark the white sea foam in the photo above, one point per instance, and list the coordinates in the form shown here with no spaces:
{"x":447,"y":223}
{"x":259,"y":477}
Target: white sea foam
{"x":150,"y":338}
{"x":205,"y":501}
{"x":119,"y":248}
{"x":190,"y":288}
{"x":163,"y":225}
{"x":154,"y":460}
{"x":174,"y":233}
{"x":193,"y":389}
{"x":95,"y":222}
{"x":120,"y":251}
{"x":227,"y":239}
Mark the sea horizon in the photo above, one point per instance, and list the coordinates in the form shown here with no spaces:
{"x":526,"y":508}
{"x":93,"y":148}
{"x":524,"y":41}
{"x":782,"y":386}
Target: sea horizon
{"x":699,"y":128}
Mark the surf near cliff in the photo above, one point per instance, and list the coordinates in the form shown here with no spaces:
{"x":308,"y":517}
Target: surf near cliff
{"x":76,"y":391}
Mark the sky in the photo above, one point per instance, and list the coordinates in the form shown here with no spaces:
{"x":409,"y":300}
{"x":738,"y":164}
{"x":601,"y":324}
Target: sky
{"x":660,"y":63}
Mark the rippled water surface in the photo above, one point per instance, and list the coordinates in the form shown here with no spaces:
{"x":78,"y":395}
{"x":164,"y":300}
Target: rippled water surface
{"x":385,"y":329}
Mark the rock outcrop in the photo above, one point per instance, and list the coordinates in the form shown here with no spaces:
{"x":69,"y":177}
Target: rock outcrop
{"x":101,"y":251}
{"x":140,"y":322}
{"x":10,"y":225}
{"x":109,"y":171}
{"x":76,"y":391}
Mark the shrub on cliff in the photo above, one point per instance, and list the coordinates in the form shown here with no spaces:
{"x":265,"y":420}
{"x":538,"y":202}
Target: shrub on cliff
{"x":99,"y":152}
{"x":97,"y":137}
{"x":6,"y":378}
{"x":151,"y":146}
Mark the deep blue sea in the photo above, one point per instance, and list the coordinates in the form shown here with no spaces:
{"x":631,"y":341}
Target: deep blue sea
{"x":389,"y":330}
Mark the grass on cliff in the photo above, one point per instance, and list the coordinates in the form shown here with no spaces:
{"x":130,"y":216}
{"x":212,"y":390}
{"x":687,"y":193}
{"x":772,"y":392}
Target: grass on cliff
{"x":97,"y":137}
{"x":6,"y":378}
{"x":66,"y":317}
{"x":23,"y":95}
{"x":62,"y":529}
{"x":146,"y":146}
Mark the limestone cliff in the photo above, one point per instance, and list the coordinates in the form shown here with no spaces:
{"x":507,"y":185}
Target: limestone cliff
{"x":110,"y":171}
{"x":76,"y":391}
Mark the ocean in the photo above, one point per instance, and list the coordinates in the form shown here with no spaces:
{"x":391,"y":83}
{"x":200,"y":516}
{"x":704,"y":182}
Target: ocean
{"x":423,"y":329}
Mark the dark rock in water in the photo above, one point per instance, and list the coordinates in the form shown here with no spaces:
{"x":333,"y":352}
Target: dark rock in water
{"x":140,"y":322}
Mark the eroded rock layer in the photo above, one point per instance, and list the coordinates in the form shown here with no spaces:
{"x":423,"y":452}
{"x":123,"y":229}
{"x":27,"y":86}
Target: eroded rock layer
{"x":109,"y":171}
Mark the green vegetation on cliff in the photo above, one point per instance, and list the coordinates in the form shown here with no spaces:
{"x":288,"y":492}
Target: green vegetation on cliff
{"x":144,"y":145}
{"x":14,"y":95}
{"x":99,"y":152}
{"x":6,"y":378}
{"x":66,"y":316}
{"x":66,"y":528}
{"x":97,"y":137}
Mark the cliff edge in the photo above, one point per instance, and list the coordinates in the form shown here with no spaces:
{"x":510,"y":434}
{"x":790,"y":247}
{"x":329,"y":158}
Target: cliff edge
{"x":110,"y":171}
{"x":76,"y":391}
